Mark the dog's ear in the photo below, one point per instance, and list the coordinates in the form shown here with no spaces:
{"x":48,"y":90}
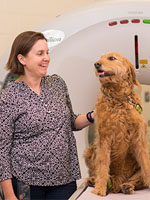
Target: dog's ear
{"x":132,"y":73}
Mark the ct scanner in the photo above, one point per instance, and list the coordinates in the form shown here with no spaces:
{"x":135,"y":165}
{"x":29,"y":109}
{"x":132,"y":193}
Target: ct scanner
{"x":77,"y":39}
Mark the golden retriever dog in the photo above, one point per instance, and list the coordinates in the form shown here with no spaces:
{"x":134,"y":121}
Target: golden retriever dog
{"x":119,"y":152}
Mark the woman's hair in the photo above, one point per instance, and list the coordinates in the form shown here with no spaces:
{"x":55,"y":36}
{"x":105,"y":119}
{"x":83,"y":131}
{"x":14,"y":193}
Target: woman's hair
{"x":22,"y":45}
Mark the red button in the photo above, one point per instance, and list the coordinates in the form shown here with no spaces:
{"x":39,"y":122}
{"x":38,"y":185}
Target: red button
{"x":112,"y":23}
{"x":135,"y":21}
{"x":125,"y":21}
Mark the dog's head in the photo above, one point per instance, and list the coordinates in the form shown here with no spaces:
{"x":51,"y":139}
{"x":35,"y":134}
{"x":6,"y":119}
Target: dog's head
{"x":113,"y":67}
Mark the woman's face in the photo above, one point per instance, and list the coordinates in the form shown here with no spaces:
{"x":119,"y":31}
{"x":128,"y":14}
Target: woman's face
{"x":37,"y":60}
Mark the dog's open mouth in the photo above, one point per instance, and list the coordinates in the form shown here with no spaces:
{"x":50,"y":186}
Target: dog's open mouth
{"x":102,"y":73}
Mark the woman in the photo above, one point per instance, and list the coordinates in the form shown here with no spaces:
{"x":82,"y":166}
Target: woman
{"x":37,"y":145}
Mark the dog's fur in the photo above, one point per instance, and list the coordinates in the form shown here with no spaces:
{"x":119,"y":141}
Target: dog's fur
{"x":120,"y":149}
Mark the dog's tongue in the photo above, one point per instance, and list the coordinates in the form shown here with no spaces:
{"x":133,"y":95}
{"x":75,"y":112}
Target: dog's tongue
{"x":101,"y":73}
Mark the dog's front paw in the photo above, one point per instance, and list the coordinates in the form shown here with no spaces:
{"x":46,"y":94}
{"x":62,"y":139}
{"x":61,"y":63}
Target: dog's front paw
{"x":146,"y":180}
{"x":127,"y":188}
{"x":90,"y":181}
{"x":99,"y":191}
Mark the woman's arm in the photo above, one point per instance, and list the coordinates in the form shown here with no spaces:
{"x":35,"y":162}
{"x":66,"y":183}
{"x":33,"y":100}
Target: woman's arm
{"x":6,"y":136}
{"x":82,"y":120}
{"x":7,"y":189}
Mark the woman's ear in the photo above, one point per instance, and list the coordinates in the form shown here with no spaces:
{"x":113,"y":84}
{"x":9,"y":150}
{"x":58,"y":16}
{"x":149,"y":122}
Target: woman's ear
{"x":21,"y":59}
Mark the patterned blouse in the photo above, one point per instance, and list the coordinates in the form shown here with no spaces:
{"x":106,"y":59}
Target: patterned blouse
{"x":37,"y":144}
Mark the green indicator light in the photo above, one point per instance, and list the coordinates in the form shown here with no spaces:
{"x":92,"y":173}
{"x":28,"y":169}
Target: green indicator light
{"x":146,"y":21}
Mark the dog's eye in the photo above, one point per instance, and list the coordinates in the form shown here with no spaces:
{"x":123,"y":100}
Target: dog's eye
{"x":111,"y":58}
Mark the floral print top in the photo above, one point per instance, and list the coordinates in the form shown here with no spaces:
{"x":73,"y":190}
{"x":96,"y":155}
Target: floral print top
{"x":37,"y":144}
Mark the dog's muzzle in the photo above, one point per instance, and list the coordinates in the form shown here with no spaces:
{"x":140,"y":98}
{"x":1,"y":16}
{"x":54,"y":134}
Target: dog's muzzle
{"x":101,"y":72}
{"x":98,"y":67}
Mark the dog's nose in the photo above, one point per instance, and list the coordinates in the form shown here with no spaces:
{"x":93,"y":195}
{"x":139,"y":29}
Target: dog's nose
{"x":97,"y":65}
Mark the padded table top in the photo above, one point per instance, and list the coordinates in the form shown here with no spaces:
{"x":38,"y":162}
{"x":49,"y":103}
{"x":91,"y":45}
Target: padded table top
{"x":138,"y":195}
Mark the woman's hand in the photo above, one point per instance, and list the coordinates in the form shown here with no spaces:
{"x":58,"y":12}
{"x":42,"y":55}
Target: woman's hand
{"x":82,"y":121}
{"x":93,"y":114}
{"x":11,"y":198}
{"x":7,"y":189}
